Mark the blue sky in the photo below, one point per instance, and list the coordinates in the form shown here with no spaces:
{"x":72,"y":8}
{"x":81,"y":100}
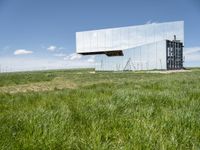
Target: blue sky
{"x":40,"y":34}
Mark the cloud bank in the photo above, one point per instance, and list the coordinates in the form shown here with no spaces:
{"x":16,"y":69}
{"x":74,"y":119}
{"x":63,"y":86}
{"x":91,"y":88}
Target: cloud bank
{"x":26,"y":64}
{"x":22,"y":52}
{"x":61,"y":60}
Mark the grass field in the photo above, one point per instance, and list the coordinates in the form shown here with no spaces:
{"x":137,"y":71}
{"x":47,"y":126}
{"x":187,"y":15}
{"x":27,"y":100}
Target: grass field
{"x":80,"y":109}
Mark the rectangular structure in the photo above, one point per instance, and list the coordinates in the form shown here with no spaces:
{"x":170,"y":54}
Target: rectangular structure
{"x":142,"y":47}
{"x":174,"y":54}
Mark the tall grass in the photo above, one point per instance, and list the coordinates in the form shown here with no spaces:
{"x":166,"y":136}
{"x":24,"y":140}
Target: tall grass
{"x":106,"y":111}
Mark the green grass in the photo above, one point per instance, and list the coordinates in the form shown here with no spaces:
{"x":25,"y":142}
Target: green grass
{"x":105,"y":110}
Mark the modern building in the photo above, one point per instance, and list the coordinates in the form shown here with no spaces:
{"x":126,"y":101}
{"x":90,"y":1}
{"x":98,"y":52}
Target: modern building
{"x":143,"y":47}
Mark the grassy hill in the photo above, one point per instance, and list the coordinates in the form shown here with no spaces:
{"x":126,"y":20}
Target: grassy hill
{"x":80,"y":109}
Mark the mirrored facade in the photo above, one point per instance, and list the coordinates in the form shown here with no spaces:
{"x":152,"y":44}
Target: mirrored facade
{"x":143,"y":47}
{"x":146,"y":57}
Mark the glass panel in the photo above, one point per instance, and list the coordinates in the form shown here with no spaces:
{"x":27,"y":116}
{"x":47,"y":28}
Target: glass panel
{"x":128,"y":37}
{"x":144,"y":45}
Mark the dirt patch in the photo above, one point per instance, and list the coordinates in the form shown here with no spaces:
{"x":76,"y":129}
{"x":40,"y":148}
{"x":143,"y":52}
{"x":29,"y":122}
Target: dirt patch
{"x":57,"y":83}
{"x":169,"y":71}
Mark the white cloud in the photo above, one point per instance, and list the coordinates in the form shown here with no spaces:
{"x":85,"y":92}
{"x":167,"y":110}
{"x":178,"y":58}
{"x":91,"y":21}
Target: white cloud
{"x":52,"y":48}
{"x":22,"y":52}
{"x":73,"y":56}
{"x":69,"y":57}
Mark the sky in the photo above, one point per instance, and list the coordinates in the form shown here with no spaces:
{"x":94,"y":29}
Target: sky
{"x":40,"y":34}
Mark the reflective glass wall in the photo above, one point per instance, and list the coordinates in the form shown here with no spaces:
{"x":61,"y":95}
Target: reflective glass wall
{"x":145,"y":57}
{"x":127,"y":37}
